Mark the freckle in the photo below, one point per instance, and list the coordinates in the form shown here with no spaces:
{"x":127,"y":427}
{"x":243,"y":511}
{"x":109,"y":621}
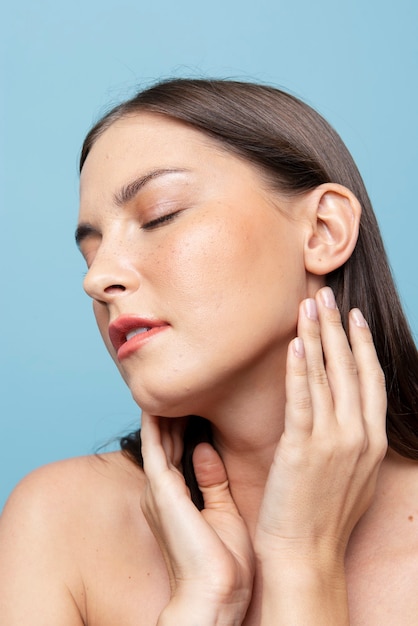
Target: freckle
{"x":411,"y":518}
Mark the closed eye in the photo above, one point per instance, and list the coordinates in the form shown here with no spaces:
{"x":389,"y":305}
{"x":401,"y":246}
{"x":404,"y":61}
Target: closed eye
{"x":159,"y":221}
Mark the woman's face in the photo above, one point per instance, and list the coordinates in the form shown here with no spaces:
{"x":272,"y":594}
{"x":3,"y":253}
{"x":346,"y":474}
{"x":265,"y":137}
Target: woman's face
{"x":192,"y":266}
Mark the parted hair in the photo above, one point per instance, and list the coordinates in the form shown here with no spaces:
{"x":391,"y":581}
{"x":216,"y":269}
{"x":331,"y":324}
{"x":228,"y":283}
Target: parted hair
{"x":296,"y":150}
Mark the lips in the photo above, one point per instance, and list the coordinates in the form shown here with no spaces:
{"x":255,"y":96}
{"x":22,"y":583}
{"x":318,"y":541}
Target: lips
{"x":128,"y":333}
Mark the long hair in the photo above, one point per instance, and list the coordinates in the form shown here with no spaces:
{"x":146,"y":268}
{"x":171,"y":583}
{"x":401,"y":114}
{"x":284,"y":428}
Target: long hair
{"x":297,"y":150}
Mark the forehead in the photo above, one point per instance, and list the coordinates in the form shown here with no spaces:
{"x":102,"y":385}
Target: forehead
{"x":146,"y":141}
{"x":139,"y":147}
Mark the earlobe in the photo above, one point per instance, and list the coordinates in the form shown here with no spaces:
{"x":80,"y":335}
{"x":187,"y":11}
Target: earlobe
{"x":335,"y":216}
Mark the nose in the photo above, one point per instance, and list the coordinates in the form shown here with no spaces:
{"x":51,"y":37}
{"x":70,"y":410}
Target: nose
{"x":109,"y":277}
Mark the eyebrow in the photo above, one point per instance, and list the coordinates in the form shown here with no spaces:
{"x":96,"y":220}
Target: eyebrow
{"x":123,"y":197}
{"x":129,"y":191}
{"x":83,"y":231}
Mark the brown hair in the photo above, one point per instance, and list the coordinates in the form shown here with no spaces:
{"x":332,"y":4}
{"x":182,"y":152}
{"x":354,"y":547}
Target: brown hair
{"x":298,"y":150}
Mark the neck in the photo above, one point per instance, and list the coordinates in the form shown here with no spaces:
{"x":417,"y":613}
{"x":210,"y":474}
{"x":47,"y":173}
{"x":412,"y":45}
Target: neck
{"x":246,"y":436}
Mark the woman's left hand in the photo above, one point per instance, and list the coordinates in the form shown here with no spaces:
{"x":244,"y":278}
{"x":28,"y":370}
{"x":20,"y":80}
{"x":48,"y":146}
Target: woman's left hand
{"x":324,"y":473}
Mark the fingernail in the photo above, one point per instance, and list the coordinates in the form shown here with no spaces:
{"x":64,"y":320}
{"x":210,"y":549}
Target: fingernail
{"x":298,"y":347}
{"x":310,"y":309}
{"x":359,"y":319}
{"x":328,"y":298}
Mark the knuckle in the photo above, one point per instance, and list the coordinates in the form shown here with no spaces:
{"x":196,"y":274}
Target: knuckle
{"x":318,"y":375}
{"x":349,"y":365}
{"x":379,"y":445}
{"x":302,"y":403}
{"x":299,"y":371}
{"x":356,"y":441}
{"x":333,"y":318}
{"x":367,"y":337}
{"x":313,"y":331}
{"x":379,"y":377}
{"x":374,"y":369}
{"x":346,"y":362}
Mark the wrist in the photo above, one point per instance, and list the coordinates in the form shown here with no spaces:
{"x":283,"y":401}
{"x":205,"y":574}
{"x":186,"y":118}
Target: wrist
{"x":302,"y":591}
{"x":303,"y":573}
{"x":322,"y":554}
{"x":196,"y":608}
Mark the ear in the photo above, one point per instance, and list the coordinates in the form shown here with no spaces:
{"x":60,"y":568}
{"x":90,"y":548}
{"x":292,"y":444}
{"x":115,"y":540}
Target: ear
{"x":334,"y":223}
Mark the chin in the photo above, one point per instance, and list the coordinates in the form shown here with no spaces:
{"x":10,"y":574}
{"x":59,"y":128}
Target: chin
{"x":164,"y":403}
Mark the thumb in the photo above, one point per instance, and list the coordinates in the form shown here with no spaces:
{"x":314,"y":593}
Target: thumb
{"x":211,"y":476}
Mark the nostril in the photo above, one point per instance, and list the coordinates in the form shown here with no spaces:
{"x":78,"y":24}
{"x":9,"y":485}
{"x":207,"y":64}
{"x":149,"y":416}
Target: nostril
{"x":114,"y":289}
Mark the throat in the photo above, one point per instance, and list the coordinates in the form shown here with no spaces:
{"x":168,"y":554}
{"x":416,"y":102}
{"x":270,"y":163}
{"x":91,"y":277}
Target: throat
{"x":247,"y":476}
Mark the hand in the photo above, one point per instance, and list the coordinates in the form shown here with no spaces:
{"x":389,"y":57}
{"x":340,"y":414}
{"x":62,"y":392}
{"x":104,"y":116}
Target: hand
{"x":325,"y":468}
{"x":208,"y":553}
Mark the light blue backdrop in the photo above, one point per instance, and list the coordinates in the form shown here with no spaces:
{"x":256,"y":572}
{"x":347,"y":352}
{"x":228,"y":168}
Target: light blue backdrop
{"x":63,"y":63}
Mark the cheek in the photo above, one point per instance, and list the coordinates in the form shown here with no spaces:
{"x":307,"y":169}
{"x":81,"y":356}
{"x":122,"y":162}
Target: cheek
{"x":102,"y":319}
{"x":231,"y":263}
{"x":206,"y":262}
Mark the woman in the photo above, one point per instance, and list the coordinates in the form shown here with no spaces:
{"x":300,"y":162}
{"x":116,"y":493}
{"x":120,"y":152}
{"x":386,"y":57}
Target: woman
{"x":229,"y":242}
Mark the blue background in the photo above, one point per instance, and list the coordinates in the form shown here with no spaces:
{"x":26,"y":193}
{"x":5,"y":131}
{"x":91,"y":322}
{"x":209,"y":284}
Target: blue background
{"x":62,"y":65}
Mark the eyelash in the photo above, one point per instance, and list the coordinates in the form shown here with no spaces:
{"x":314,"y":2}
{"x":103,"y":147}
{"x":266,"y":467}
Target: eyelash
{"x":159,"y":221}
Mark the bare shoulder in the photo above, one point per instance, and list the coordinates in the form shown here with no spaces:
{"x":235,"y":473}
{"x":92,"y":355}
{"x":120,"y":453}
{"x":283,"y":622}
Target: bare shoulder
{"x":382,"y":563}
{"x":71,"y":490}
{"x":398,"y":492}
{"x":64,"y":532}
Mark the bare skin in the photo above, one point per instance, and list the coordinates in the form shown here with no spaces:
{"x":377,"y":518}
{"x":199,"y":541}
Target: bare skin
{"x":71,"y":526}
{"x":299,"y":512}
{"x":98,"y":529}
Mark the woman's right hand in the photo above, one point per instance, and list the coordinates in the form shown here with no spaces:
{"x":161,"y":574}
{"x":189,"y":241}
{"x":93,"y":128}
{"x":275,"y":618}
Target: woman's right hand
{"x":208,"y":553}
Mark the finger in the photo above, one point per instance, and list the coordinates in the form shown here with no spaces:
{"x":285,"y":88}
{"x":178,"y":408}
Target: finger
{"x":309,"y":332}
{"x":211,"y":477}
{"x":298,"y":413}
{"x":172,"y":435}
{"x":153,"y":454}
{"x":341,"y":367}
{"x":178,"y":426}
{"x":371,"y":377}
